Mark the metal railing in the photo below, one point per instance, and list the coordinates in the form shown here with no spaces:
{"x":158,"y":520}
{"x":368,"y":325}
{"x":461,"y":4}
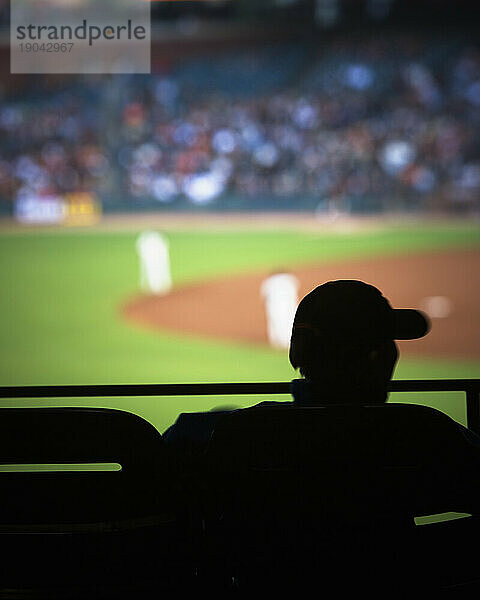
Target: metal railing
{"x":471,"y":388}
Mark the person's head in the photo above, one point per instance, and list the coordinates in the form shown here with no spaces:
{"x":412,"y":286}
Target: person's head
{"x":343,"y":337}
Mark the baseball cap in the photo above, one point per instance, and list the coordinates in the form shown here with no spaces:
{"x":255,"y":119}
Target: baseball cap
{"x":353,"y":312}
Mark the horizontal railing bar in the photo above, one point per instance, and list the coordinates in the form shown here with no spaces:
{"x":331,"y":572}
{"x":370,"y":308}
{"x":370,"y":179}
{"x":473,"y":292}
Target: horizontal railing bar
{"x":434,"y":385}
{"x":213,"y":389}
{"x":163,"y":389}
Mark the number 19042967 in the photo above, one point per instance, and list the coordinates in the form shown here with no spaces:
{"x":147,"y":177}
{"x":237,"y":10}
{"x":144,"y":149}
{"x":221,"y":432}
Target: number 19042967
{"x":46,"y":47}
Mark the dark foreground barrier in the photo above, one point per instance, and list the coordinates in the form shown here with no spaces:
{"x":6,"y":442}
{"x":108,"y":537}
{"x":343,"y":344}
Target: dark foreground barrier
{"x":471,"y":388}
{"x":277,"y":501}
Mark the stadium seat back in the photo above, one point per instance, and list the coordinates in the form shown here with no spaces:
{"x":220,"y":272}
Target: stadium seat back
{"x":294,"y":492}
{"x":110,"y":461}
{"x":88,"y":509}
{"x":350,"y":462}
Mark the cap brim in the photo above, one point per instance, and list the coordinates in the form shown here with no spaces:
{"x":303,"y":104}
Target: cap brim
{"x":410,"y":324}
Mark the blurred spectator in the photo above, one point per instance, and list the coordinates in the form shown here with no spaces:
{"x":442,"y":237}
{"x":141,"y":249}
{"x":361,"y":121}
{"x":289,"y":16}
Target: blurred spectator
{"x":383,"y":124}
{"x":51,"y":146}
{"x":391,"y":122}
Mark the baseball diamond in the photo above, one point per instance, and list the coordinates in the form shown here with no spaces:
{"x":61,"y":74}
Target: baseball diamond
{"x":231,"y":307}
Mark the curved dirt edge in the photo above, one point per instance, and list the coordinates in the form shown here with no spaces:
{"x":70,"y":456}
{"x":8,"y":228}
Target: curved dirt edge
{"x":230,"y":308}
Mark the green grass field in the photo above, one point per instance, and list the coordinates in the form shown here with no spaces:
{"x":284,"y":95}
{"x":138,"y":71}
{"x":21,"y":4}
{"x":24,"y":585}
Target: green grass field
{"x":62,"y":293}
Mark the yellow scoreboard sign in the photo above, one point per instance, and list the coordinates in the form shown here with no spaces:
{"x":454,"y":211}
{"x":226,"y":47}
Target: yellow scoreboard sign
{"x":81,"y":208}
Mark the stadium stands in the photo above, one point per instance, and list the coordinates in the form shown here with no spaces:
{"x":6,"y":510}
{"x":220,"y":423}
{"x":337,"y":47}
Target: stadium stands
{"x":354,"y":124}
{"x":243,"y":73}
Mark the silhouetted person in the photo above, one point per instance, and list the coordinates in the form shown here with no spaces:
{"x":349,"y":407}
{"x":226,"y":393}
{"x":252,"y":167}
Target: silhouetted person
{"x":343,"y":343}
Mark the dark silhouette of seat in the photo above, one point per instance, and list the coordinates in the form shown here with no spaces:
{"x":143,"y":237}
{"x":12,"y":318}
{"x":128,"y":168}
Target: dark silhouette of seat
{"x":70,"y":531}
{"x":331,"y":493}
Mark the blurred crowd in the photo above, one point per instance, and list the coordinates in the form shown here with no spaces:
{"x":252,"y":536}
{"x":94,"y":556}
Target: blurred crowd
{"x":51,"y":144}
{"x":376,"y":124}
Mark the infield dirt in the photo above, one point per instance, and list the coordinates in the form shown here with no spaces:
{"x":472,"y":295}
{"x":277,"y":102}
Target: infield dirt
{"x":231,"y":308}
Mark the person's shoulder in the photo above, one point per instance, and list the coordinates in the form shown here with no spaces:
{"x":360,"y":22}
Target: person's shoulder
{"x":471,"y":436}
{"x":271,"y":404}
{"x":196,"y":426}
